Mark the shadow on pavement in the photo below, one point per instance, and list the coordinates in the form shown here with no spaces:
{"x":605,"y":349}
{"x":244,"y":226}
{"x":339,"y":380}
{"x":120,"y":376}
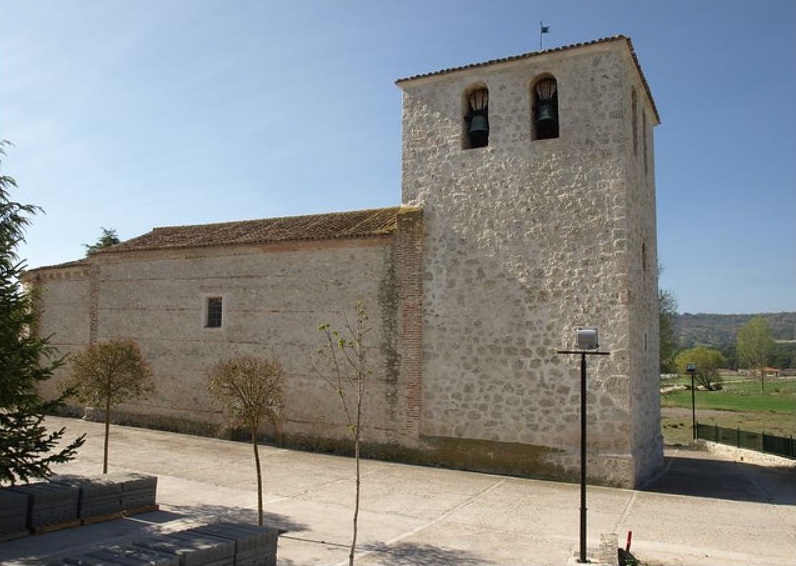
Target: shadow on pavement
{"x":216,"y":513}
{"x":32,"y":549}
{"x":409,"y":554}
{"x":696,"y":474}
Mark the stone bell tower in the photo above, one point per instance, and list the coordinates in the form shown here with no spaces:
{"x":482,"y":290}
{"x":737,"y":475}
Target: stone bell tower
{"x":536,"y":178}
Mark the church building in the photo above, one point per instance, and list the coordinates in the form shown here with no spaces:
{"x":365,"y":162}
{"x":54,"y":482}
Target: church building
{"x":527,"y":211}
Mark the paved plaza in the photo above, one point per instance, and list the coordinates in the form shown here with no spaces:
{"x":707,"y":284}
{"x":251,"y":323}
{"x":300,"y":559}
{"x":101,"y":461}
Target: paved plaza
{"x":703,"y":510}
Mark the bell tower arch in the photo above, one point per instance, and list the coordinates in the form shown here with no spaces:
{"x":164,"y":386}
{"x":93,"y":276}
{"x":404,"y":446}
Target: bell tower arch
{"x":476,"y":116}
{"x":544,"y":94}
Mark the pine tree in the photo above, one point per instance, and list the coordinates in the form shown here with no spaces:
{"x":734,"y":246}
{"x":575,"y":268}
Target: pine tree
{"x":27,"y":449}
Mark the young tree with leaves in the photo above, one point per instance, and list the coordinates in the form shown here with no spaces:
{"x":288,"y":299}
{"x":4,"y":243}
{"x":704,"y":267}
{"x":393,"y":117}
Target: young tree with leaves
{"x":108,"y":373}
{"x":707,"y":360}
{"x":343,"y":364}
{"x":667,"y":310}
{"x":755,"y":345}
{"x":27,"y":449}
{"x":250,"y":389}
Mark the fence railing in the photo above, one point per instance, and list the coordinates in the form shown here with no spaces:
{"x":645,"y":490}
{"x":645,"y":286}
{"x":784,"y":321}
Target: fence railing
{"x":759,"y":441}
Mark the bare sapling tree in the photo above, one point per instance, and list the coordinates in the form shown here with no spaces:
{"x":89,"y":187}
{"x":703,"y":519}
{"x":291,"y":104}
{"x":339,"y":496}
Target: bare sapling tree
{"x":343,"y":364}
{"x":108,"y":373}
{"x":251,"y":389}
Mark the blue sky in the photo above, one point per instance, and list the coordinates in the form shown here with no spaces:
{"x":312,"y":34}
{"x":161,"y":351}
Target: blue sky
{"x":131,"y":114}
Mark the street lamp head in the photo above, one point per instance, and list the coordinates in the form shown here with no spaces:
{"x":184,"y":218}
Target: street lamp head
{"x":690,"y":368}
{"x":587,"y":338}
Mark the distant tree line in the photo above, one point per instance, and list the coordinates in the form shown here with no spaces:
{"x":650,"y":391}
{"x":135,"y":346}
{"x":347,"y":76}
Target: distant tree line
{"x":720,"y":331}
{"x":723,"y":342}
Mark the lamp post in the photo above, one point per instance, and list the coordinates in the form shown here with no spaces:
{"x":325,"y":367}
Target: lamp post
{"x":587,"y":345}
{"x":691,"y":369}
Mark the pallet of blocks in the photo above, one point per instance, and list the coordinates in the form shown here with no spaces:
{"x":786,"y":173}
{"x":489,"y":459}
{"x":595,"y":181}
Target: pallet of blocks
{"x":123,"y":555}
{"x":254,"y":546}
{"x":139,"y":492}
{"x":50,"y":506}
{"x":194,"y":549}
{"x":100,"y":497}
{"x":13,"y":514}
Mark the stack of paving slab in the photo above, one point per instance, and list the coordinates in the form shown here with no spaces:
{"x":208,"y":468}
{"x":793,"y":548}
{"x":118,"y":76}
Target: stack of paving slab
{"x":254,"y":546}
{"x":50,"y":505}
{"x":221,"y":544}
{"x":122,"y":555}
{"x":69,"y":501}
{"x":100,"y":497}
{"x":139,"y":491}
{"x":13,"y":514}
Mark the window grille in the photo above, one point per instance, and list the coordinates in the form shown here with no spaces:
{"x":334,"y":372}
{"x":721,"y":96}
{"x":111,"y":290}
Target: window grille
{"x":214,"y":312}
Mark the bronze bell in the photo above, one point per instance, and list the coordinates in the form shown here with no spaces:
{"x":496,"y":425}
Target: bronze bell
{"x":479,"y":123}
{"x":546,"y":118}
{"x":478,"y":131}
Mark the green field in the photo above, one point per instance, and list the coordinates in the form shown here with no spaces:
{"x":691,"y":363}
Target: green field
{"x":779,"y":397}
{"x":740,"y":404}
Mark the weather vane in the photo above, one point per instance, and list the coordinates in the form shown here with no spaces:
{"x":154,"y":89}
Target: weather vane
{"x":543,"y":29}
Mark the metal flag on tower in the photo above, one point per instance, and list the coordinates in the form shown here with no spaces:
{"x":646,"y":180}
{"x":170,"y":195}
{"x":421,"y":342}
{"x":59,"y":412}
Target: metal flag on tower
{"x":543,"y":29}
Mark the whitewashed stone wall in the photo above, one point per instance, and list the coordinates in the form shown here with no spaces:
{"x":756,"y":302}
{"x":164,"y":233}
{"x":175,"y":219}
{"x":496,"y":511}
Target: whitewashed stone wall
{"x":63,"y":313}
{"x":274,"y":299}
{"x":526,"y":240}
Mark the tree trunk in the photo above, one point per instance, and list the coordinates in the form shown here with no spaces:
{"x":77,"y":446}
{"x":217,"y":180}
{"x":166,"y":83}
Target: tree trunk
{"x":356,"y":502}
{"x":259,"y":478}
{"x":107,"y":434}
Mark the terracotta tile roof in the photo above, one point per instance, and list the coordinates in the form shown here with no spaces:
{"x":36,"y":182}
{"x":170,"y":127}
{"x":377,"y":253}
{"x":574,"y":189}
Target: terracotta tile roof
{"x":545,"y":51}
{"x":29,"y":275}
{"x":336,"y":225}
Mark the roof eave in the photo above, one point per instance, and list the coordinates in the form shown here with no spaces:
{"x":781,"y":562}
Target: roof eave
{"x":422,"y":77}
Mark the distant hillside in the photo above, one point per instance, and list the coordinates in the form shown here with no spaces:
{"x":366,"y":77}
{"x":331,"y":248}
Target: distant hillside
{"x":720,"y":330}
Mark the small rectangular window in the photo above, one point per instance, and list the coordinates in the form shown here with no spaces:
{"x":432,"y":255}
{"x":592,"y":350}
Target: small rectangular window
{"x":214,"y":311}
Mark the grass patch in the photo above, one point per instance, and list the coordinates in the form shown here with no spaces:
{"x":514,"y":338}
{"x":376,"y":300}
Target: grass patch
{"x":740,"y":404}
{"x":743,"y":396}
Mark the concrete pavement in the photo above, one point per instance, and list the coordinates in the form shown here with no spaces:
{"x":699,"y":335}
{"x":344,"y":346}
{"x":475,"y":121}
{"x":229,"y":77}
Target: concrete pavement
{"x":704,"y":510}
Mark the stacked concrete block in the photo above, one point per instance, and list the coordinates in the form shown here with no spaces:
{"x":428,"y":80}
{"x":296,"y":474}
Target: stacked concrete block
{"x":193,"y":548}
{"x":100,"y":497}
{"x":123,"y":556}
{"x":13,"y":514}
{"x":221,"y":544}
{"x":68,"y":501}
{"x":254,"y":546}
{"x":139,"y":491}
{"x":50,"y":506}
{"x":27,"y":562}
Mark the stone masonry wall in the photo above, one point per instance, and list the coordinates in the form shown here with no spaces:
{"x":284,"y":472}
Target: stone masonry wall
{"x":62,"y":311}
{"x":274,"y":299}
{"x":644,"y":371}
{"x":524,"y":241}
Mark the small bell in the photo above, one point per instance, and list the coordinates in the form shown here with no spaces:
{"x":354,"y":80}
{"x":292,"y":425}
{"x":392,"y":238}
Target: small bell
{"x":478,"y":131}
{"x":546,"y":119}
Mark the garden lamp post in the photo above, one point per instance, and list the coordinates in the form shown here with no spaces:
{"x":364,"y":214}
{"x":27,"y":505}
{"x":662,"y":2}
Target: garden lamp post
{"x":691,"y":369}
{"x":587,"y":345}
